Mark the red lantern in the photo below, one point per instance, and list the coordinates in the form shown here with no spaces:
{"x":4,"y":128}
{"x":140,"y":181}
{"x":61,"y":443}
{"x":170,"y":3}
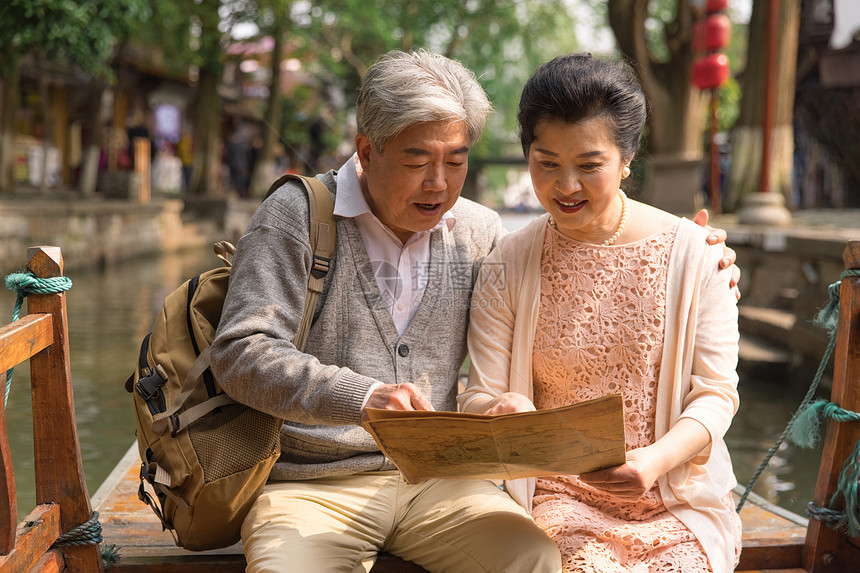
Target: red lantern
{"x":709,"y":72}
{"x":718,"y":31}
{"x":717,"y":5}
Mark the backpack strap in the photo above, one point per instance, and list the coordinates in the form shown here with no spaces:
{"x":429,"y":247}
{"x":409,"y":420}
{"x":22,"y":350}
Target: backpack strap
{"x":322,"y":236}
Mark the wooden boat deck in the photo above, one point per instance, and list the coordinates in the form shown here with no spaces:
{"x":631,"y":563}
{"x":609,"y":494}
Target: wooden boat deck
{"x":772,"y":536}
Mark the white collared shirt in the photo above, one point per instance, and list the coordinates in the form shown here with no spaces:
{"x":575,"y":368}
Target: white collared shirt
{"x":401,"y":270}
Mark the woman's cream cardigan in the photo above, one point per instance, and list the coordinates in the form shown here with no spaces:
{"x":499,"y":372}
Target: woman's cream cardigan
{"x":697,"y":374}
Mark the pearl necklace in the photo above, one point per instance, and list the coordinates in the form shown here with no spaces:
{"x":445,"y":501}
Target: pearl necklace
{"x":621,"y":223}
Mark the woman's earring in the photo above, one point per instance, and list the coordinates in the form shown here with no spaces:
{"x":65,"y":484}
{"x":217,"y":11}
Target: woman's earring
{"x":625,"y":172}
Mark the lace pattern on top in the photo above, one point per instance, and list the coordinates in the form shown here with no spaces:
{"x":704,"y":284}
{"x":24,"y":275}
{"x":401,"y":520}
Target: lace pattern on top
{"x":600,"y":331}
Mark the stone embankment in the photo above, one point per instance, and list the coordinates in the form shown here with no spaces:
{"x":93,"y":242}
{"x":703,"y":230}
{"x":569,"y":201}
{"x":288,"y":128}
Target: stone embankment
{"x":786,"y":272}
{"x":95,"y":233}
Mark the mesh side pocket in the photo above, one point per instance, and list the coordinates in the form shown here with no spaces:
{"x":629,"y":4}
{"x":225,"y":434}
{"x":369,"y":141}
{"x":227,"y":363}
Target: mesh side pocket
{"x":233,"y":440}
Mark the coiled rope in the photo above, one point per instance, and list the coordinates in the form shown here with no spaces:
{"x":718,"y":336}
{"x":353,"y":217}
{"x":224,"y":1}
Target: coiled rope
{"x":24,"y":284}
{"x":806,"y":434}
{"x":803,"y":428}
{"x":87,"y":533}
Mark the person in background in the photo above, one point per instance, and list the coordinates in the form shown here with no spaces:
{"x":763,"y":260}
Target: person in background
{"x":184,"y":149}
{"x":237,"y":151}
{"x":606,"y":295}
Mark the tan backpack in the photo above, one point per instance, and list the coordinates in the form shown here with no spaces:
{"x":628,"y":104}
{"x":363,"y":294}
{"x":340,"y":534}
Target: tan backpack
{"x":205,"y":456}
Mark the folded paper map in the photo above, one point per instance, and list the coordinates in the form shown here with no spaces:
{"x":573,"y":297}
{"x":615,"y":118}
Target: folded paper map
{"x":569,"y":440}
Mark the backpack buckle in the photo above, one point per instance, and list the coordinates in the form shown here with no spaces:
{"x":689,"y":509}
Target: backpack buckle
{"x":144,"y":475}
{"x":320,"y":266}
{"x":149,"y":388}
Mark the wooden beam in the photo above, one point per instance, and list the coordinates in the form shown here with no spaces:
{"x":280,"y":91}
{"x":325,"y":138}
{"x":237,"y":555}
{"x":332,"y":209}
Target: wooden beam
{"x":827,"y":549}
{"x":24,"y":338}
{"x":51,"y":562}
{"x":35,"y":535}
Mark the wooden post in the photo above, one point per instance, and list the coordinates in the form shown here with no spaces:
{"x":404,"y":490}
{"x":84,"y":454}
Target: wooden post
{"x":58,"y":467}
{"x":827,"y":549}
{"x":769,"y":94}
{"x":8,"y":503}
{"x":142,"y":159}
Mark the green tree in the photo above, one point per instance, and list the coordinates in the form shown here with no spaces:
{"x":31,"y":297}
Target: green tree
{"x":272,"y":19}
{"x":657,"y":37}
{"x":502,"y":41}
{"x":78,"y":33}
{"x":192,"y":37}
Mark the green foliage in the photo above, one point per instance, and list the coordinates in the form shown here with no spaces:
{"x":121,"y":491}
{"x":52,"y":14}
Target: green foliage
{"x":502,"y":41}
{"x":81,"y":33}
{"x":661,"y":21}
{"x":298,"y":113}
{"x":728,"y":110}
{"x":730,"y":105}
{"x":188,"y":33}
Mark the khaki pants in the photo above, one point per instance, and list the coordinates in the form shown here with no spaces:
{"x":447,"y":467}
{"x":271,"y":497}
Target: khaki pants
{"x":340,"y":524}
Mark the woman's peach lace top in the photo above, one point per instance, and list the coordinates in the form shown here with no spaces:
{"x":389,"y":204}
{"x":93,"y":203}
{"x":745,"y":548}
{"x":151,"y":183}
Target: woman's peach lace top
{"x":600,"y":331}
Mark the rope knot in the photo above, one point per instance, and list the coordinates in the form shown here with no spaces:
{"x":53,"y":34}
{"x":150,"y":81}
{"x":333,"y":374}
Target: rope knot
{"x":87,"y":533}
{"x":24,"y":284}
{"x":828,"y":316}
{"x":805,"y":433}
{"x":27,"y":283}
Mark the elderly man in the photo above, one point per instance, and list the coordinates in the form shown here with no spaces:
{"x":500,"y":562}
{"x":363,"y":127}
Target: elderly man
{"x":389,"y":332}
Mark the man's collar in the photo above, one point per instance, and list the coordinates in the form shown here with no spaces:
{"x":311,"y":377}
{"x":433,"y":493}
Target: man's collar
{"x":350,"y":201}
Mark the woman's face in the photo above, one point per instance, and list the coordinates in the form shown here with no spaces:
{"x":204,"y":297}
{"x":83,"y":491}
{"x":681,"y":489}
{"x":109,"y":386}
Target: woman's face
{"x":576,"y":172}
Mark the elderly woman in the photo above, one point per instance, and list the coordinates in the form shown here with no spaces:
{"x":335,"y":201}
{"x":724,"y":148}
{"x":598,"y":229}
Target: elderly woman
{"x":603,"y":295}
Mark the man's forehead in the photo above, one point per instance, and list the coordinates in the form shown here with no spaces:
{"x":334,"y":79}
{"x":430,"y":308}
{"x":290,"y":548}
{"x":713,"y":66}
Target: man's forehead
{"x":432,"y":137}
{"x":428,"y":151}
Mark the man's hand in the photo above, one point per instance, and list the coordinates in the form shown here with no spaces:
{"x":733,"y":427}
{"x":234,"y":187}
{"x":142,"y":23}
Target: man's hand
{"x":396,"y":397}
{"x":729,"y":255}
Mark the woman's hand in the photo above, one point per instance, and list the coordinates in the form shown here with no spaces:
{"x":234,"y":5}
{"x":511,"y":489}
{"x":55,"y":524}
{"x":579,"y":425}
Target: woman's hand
{"x":729,"y":255}
{"x":630,"y":480}
{"x":646,"y":465}
{"x":509,"y":403}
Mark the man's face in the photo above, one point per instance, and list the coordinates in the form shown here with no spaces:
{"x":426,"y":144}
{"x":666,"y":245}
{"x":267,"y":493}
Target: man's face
{"x":417,"y":178}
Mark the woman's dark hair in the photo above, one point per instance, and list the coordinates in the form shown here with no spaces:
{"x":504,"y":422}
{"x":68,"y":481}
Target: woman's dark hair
{"x":579,"y":87}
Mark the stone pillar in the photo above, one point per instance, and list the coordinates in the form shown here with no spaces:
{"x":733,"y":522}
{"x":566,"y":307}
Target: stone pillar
{"x":673,"y":182}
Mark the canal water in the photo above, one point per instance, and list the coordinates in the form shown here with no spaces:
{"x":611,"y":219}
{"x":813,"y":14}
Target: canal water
{"x":111,"y":310}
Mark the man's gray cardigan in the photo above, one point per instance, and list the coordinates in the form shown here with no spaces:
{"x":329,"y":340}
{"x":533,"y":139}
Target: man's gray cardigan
{"x":353,"y":341}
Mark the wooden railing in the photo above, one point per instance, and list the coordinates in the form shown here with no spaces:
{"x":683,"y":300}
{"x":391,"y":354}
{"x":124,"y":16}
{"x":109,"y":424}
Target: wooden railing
{"x":63,"y":503}
{"x":828,"y":549}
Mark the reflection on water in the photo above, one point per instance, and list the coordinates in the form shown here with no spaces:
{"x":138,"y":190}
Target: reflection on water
{"x":110,"y":311}
{"x":766,"y":407}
